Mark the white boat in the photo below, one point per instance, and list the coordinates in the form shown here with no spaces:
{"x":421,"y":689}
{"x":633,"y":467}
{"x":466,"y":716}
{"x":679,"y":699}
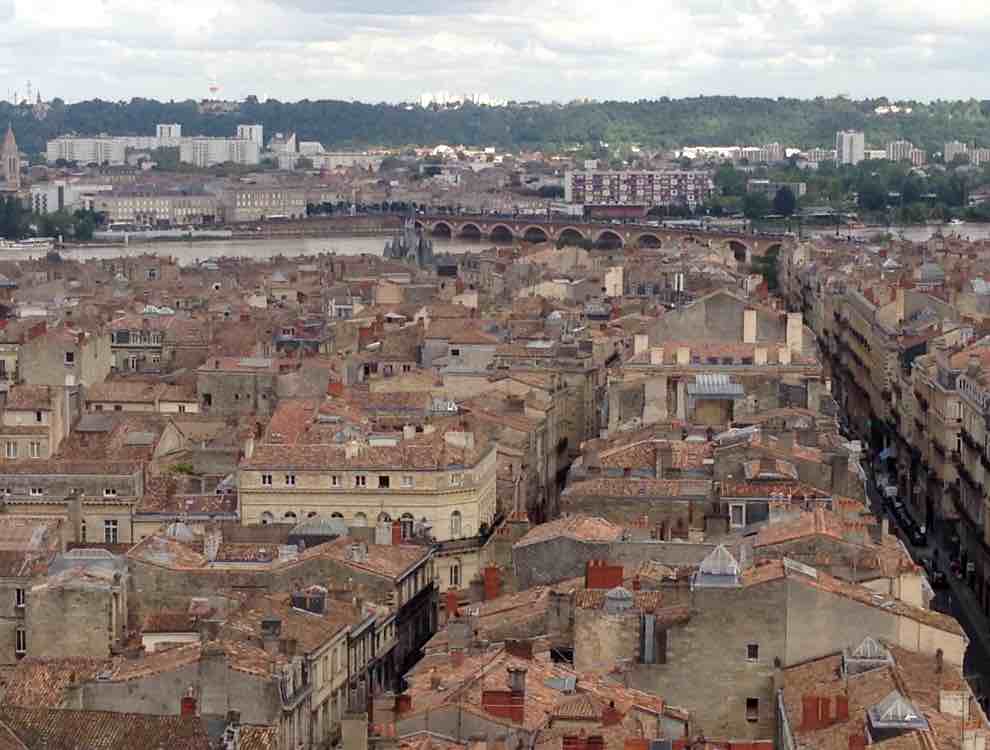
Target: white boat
{"x":32,"y":243}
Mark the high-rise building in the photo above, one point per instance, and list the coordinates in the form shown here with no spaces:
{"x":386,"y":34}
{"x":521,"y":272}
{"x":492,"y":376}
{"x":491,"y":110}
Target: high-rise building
{"x":899,"y":150}
{"x":952,"y":149}
{"x":254,"y":133}
{"x":850,"y":146}
{"x":168,"y":131}
{"x":664,"y":188}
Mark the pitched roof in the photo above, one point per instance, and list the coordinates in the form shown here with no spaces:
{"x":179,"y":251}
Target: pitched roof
{"x":63,"y":729}
{"x":579,"y":528}
{"x":42,"y":683}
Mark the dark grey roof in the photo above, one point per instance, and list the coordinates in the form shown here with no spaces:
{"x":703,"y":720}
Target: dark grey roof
{"x":94,"y":423}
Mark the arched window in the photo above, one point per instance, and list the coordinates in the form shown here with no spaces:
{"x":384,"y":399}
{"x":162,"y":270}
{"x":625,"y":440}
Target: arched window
{"x":267,"y":518}
{"x":384,"y":517}
{"x":455,"y":573}
{"x":289,"y":516}
{"x":312,"y":514}
{"x":360,"y":519}
{"x":341,"y":515}
{"x":407,"y":525}
{"x":455,"y":525}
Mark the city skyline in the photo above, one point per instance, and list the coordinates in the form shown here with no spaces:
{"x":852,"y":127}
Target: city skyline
{"x":392,"y":51}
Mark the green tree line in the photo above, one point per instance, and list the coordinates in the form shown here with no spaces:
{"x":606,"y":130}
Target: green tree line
{"x":659,"y":123}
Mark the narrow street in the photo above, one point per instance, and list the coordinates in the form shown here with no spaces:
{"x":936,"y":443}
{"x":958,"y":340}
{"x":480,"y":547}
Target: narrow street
{"x":954,"y":598}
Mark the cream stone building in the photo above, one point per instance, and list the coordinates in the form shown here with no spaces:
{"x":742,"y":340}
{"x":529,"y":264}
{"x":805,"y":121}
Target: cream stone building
{"x":438,"y":484}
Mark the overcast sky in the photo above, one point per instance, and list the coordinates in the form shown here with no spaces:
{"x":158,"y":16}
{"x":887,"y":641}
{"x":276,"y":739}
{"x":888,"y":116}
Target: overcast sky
{"x":395,"y":50}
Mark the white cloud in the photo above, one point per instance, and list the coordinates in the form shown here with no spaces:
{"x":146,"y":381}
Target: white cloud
{"x":550,"y":49}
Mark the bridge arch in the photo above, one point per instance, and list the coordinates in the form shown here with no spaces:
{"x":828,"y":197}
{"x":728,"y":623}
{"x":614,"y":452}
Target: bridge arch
{"x":608,"y":238}
{"x":442,"y":229}
{"x":570,"y":236}
{"x":470,"y":231}
{"x":648,"y":239}
{"x":501,"y":233}
{"x":740,"y":251}
{"x":773,"y":249}
{"x":535,"y":234}
{"x":418,"y":225}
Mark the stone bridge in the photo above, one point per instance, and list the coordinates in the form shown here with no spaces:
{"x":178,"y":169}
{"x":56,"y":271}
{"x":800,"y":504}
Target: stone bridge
{"x":528,"y":229}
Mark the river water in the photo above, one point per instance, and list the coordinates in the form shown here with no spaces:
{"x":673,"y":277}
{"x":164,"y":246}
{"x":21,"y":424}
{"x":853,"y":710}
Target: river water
{"x":189,"y":253}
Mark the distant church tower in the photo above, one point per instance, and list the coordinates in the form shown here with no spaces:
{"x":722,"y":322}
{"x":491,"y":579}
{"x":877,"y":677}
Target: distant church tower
{"x":10,"y":159}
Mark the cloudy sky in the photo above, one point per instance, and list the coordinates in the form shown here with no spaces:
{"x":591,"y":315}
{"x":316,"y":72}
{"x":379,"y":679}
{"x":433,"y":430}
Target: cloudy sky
{"x":395,"y":50}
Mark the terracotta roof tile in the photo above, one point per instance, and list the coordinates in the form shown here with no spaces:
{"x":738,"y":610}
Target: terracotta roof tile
{"x":581,"y":528}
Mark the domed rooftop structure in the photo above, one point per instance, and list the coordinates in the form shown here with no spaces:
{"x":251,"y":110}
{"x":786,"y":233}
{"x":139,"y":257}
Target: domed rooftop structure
{"x":320,"y":526}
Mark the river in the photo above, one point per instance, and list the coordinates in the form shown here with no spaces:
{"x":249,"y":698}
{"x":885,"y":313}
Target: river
{"x":913,"y":233}
{"x":188,"y":253}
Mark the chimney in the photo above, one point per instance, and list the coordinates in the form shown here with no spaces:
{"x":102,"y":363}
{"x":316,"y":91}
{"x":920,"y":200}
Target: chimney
{"x":683,"y":355}
{"x":760,"y":356}
{"x":665,"y":458}
{"x":517,"y":680}
{"x":76,"y":515}
{"x":656,"y":355}
{"x":972,"y":365}
{"x":492,"y":581}
{"x":383,"y":533}
{"x":749,"y":326}
{"x":795,"y":332}
{"x":641,"y":342}
{"x":611,"y":715}
{"x":187,"y":705}
{"x":841,"y":708}
{"x":450,"y":599}
{"x":354,"y":731}
{"x":396,"y":533}
{"x":809,"y":712}
{"x":408,"y":432}
{"x":884,"y":528}
{"x":598,"y":574}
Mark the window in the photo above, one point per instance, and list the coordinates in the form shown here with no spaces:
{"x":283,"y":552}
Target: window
{"x":360,"y":520}
{"x":383,"y":481}
{"x":118,"y":407}
{"x":753,"y":652}
{"x":752,"y":709}
{"x":290,"y":479}
{"x":289,"y":516}
{"x":38,"y":417}
{"x":109,"y":492}
{"x":266,"y":479}
{"x":335,"y":480}
{"x":70,"y":358}
{"x":34,"y":449}
{"x":110,"y":531}
{"x":11,"y":449}
{"x":407,"y":481}
{"x":267,"y":518}
{"x":360,"y":480}
{"x":455,"y":352}
{"x":182,"y":408}
{"x":20,"y":642}
{"x":82,"y":530}
{"x":737,"y":515}
{"x":37,"y":491}
{"x":19,"y":598}
{"x":455,"y":574}
{"x":98,"y":407}
{"x":456,"y":480}
{"x":455,"y":524}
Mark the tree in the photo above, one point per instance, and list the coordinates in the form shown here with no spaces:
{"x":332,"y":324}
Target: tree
{"x":784,"y":201}
{"x":872,"y":195}
{"x":755,"y":205}
{"x":730,"y":180}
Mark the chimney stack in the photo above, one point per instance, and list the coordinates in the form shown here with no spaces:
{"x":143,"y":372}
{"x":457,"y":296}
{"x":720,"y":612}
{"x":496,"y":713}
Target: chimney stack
{"x":188,"y":703}
{"x":749,"y":326}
